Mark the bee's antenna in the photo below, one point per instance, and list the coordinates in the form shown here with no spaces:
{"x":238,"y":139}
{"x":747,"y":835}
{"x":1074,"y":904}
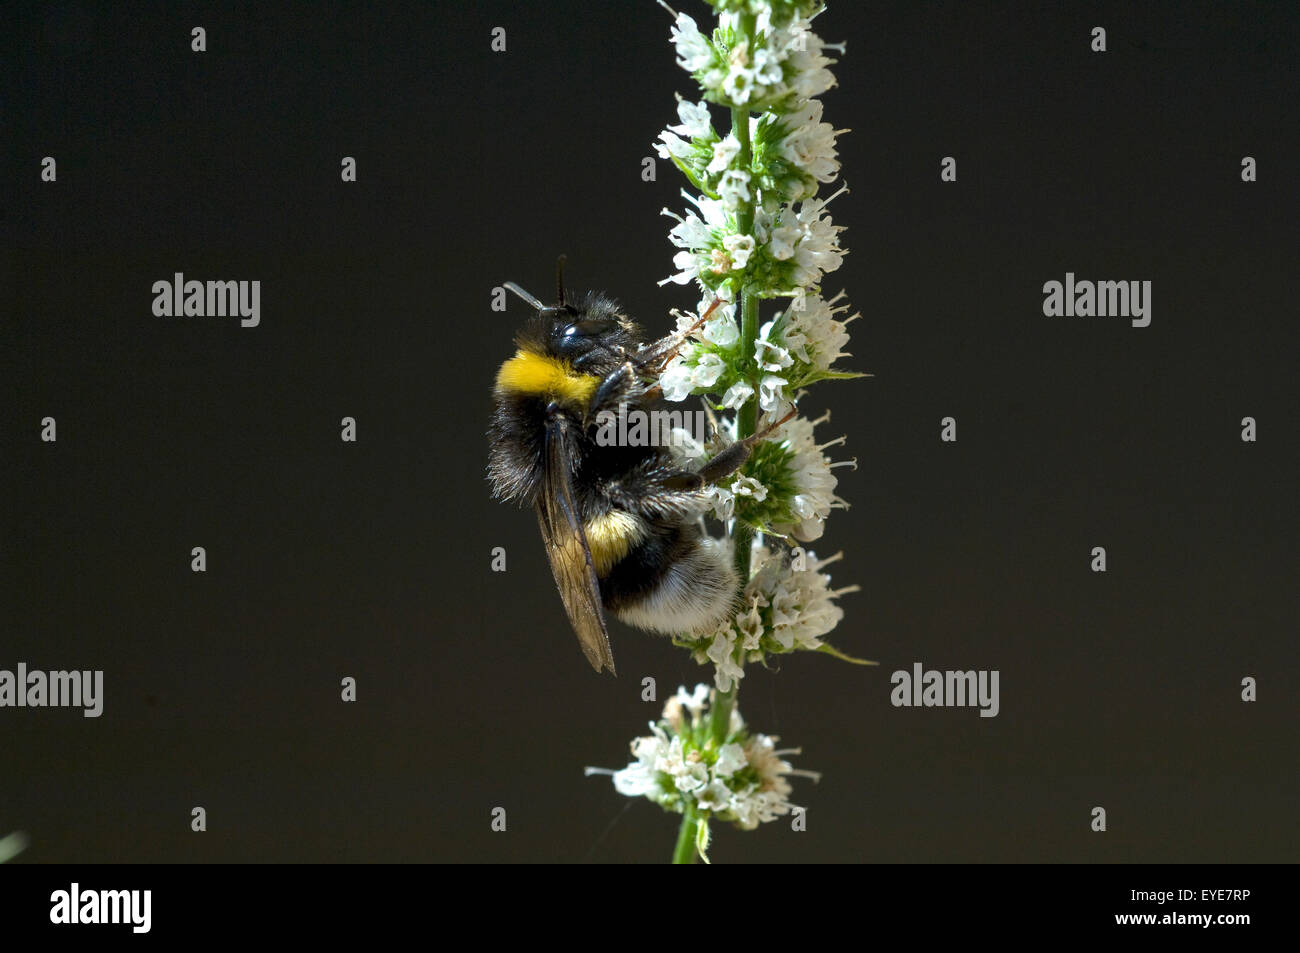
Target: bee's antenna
{"x":559,"y":280}
{"x":511,"y":286}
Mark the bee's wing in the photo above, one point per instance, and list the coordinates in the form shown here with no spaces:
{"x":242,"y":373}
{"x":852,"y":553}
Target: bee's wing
{"x":567,"y":549}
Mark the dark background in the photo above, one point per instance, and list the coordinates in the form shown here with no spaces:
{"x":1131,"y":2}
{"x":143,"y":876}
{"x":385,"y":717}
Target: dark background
{"x":328,"y":559}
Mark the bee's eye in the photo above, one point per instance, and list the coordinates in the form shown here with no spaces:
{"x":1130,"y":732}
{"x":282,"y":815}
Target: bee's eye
{"x":588,"y":327}
{"x":580,"y":335}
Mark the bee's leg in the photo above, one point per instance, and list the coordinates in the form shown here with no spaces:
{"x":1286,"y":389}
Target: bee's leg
{"x":619,"y":387}
{"x":653,"y":357}
{"x":680,"y":488}
{"x":625,"y":383}
{"x":762,"y":434}
{"x":732,"y":458}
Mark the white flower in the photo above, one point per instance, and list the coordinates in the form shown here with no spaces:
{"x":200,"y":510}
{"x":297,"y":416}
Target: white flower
{"x":738,"y":55}
{"x":676,"y":379}
{"x":722,"y":654}
{"x":695,"y":235}
{"x":720,"y":330}
{"x":723,"y":498}
{"x":795,"y":343}
{"x":739,"y":247}
{"x":736,"y":395}
{"x":715,"y":797}
{"x":636,"y":780}
{"x":694,"y":51}
{"x":803,"y":609}
{"x":734,"y":189}
{"x":688,"y":265}
{"x":723,"y":152}
{"x":670,"y":758}
{"x":671,"y":146}
{"x":769,"y":798}
{"x":750,"y":624}
{"x":820,"y":333}
{"x":756,"y":808}
{"x":691,"y":232}
{"x":639,"y":778}
{"x":800,"y":602}
{"x":748,"y":486}
{"x":807,"y":236}
{"x":693,"y":701}
{"x":811,"y":338}
{"x":786,"y":609}
{"x":738,"y":85}
{"x":811,"y":472}
{"x":761,"y":755}
{"x":684,"y":766}
{"x":693,"y":777}
{"x":810,"y":143}
{"x":696,"y":122}
{"x":810,"y":611}
{"x":731,"y":758}
{"x":770,"y":396}
{"x":685,"y":703}
{"x":770,"y":355}
{"x":804,"y":54}
{"x":745,"y":780}
{"x":707,"y":371}
{"x":818,"y":250}
{"x":684,"y":444}
{"x":723,"y":502}
{"x":783,"y":240}
{"x":685,"y":320}
{"x":767,"y":67}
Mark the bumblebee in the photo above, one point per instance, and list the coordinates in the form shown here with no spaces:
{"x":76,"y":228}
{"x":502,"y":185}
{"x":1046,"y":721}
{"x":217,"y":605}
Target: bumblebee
{"x":621,"y":525}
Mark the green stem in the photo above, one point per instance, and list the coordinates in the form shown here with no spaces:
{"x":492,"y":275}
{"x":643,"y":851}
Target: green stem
{"x":742,"y":535}
{"x":684,"y":852}
{"x":720,"y":716}
{"x":747,"y":418}
{"x":746,"y":424}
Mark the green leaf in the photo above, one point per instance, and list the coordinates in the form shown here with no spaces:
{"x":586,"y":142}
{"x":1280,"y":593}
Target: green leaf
{"x":836,"y":653}
{"x":833,"y":376}
{"x":778,"y":325}
{"x":702,"y":837}
{"x":690,"y":174}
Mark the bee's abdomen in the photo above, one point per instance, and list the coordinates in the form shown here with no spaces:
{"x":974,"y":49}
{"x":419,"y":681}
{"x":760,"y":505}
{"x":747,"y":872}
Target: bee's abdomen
{"x":674,"y":581}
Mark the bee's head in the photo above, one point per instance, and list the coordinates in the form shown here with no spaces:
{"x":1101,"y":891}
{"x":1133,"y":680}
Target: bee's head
{"x":591,"y":333}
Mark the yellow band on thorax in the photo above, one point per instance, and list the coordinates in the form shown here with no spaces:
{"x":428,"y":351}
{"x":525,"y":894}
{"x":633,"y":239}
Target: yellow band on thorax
{"x":529,"y":373}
